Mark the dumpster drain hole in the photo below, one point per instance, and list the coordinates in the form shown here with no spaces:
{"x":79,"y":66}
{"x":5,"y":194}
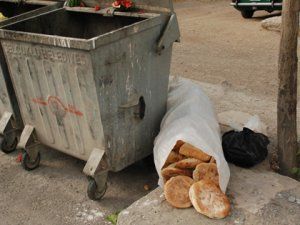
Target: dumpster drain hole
{"x":142,"y":106}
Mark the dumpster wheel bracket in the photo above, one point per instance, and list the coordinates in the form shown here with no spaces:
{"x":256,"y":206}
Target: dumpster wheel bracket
{"x":96,"y":169}
{"x":28,"y":138}
{"x":29,"y":146}
{"x":95,"y":163}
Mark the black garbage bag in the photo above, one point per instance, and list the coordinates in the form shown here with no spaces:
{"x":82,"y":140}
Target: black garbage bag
{"x":245,"y":148}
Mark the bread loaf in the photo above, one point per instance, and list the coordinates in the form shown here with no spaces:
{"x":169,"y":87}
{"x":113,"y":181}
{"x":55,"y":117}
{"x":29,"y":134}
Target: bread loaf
{"x":188,"y":163}
{"x":209,"y":200}
{"x":173,"y":157}
{"x":193,"y":152}
{"x":177,"y":146}
{"x":177,"y":191}
{"x":208,"y":171}
{"x":169,"y":172}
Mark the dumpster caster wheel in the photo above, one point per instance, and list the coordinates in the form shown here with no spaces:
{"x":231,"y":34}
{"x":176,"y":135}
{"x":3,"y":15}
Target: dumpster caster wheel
{"x":29,"y":164}
{"x":8,"y":146}
{"x":93,"y":192}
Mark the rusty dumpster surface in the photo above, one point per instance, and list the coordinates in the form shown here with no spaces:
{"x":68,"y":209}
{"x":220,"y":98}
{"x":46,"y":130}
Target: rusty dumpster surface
{"x":10,"y":120}
{"x":92,"y":84}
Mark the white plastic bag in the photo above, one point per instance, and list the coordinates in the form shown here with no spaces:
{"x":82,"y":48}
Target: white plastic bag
{"x":191,"y":118}
{"x":254,"y":123}
{"x":236,"y":120}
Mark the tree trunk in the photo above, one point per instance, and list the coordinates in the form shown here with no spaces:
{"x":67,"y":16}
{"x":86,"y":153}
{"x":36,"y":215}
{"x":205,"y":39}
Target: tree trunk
{"x":287,"y":92}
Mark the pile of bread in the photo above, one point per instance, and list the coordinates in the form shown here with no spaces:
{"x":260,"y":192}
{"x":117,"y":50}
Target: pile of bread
{"x":191,"y":179}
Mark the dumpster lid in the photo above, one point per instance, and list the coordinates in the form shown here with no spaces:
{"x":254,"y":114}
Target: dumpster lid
{"x":148,"y":5}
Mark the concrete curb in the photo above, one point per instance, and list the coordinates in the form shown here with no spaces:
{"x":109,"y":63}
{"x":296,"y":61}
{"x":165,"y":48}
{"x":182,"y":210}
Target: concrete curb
{"x":257,"y":196}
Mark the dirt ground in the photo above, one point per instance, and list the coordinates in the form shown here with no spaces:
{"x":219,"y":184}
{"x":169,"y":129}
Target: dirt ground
{"x":217,"y":46}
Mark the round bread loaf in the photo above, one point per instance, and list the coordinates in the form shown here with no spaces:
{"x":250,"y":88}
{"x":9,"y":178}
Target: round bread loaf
{"x":177,"y":191}
{"x":192,"y":152}
{"x":173,"y":157}
{"x":189,"y":163}
{"x":209,"y":200}
{"x":208,"y":171}
{"x":177,"y":146}
{"x":170,"y":171}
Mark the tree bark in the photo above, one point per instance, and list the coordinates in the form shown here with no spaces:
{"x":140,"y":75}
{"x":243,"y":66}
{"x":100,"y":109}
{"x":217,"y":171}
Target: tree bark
{"x":287,"y":92}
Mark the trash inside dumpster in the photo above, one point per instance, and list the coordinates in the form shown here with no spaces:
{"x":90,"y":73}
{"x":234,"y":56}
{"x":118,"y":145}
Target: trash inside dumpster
{"x":92,"y":83}
{"x":10,"y":121}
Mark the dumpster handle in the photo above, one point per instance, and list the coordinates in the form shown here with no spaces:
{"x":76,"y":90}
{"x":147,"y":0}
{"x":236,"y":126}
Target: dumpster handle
{"x":130,"y":104}
{"x":108,"y":11}
{"x":139,"y":104}
{"x":170,"y":34}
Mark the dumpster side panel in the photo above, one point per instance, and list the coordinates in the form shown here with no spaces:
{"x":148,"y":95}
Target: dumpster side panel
{"x":8,"y":101}
{"x":57,"y":95}
{"x":16,"y":12}
{"x":5,"y":104}
{"x":125,"y":72}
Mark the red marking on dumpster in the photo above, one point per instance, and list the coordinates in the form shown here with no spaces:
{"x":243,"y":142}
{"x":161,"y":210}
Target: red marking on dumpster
{"x":19,"y":157}
{"x":39,"y":101}
{"x":73,"y":110}
{"x":57,"y":106}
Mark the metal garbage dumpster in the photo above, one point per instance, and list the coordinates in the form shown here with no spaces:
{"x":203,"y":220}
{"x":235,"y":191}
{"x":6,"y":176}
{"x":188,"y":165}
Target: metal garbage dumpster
{"x":10,"y":120}
{"x":92,"y":84}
